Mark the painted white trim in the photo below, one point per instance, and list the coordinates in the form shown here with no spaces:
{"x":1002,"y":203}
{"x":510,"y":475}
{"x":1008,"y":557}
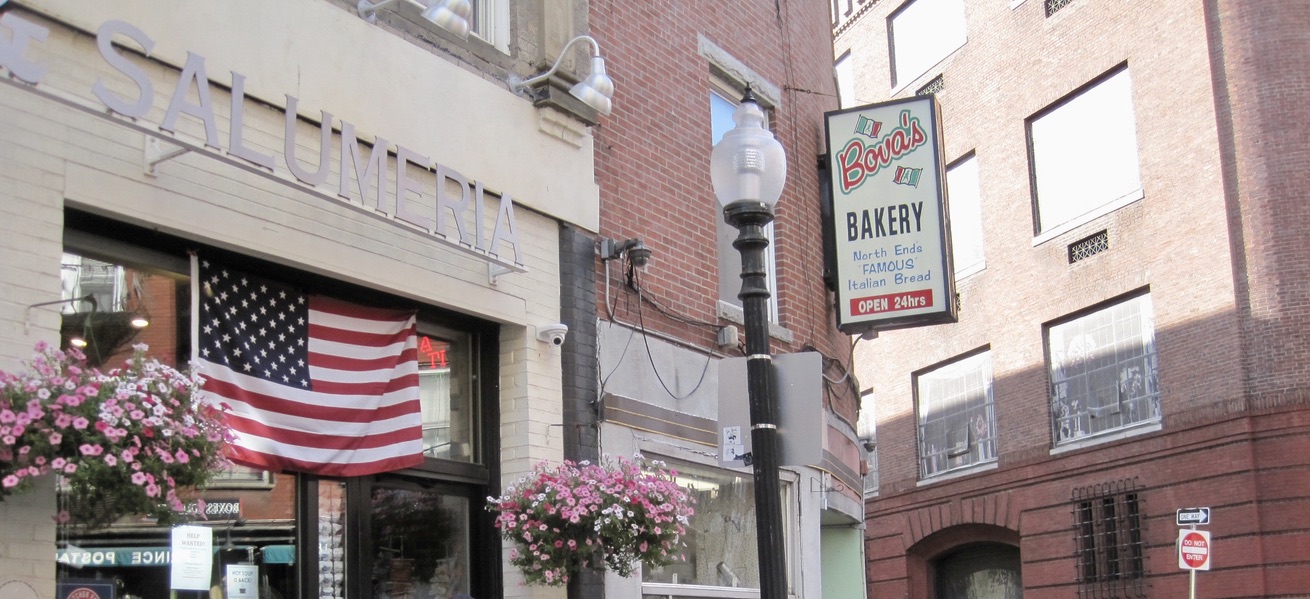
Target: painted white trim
{"x":1117,"y":434}
{"x":1102,"y":210}
{"x":959,"y":473}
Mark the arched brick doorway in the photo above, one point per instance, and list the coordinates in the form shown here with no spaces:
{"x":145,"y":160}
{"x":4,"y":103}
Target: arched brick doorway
{"x":975,"y":561}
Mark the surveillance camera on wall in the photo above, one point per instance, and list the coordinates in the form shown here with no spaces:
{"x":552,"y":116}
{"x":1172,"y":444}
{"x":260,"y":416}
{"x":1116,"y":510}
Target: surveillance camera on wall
{"x":553,"y":334}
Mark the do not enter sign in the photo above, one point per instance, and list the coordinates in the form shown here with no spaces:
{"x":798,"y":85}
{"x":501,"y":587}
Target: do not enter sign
{"x":1194,"y":549}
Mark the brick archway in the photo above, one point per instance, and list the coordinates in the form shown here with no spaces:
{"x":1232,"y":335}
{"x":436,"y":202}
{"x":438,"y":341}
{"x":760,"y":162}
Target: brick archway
{"x":920,"y":556}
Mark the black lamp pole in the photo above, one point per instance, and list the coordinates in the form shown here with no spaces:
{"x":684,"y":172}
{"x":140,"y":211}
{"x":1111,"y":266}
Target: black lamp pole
{"x":750,"y":219}
{"x":748,"y":167}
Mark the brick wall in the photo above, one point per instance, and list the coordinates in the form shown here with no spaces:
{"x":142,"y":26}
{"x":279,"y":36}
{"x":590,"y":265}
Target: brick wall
{"x":1218,"y":90}
{"x":1262,"y":80}
{"x":653,"y":156}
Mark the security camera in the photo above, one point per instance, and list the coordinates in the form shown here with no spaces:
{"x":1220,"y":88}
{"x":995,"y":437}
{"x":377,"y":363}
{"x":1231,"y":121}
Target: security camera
{"x":553,"y":333}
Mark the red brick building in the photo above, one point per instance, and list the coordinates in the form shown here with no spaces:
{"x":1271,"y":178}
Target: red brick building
{"x":1126,"y":187}
{"x":644,"y":360}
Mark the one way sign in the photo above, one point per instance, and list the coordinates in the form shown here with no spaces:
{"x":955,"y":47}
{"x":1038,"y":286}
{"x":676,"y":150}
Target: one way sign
{"x":1192,"y":516}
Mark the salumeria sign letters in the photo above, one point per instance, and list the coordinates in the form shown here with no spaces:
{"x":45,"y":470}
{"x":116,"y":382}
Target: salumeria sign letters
{"x":893,"y":259}
{"x":455,"y":194}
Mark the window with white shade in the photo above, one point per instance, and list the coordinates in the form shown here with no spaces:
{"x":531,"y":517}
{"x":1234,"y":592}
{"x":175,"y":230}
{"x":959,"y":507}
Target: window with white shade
{"x":490,"y":22}
{"x":845,"y":72}
{"x":956,"y":415}
{"x":922,"y":33}
{"x":1084,"y":155}
{"x":966,"y":216}
{"x":1103,"y":370}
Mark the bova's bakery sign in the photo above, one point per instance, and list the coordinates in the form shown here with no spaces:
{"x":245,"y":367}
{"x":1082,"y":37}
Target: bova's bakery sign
{"x":444,"y":214}
{"x":889,"y":226}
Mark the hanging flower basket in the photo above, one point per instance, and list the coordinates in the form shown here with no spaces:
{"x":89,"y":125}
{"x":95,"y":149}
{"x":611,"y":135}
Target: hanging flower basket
{"x":122,"y":442}
{"x":562,"y":519}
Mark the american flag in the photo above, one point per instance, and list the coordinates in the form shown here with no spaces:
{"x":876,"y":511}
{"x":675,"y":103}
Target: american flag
{"x":313,"y":384}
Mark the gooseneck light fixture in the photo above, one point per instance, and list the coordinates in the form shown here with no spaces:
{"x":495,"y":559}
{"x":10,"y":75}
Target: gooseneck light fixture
{"x":596,"y":90}
{"x":748,"y":167}
{"x":88,"y":298}
{"x":451,"y":15}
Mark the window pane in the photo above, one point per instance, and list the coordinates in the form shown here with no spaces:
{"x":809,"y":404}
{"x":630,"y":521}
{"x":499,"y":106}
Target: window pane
{"x":420,"y":544}
{"x":721,"y":537}
{"x":966,"y":216}
{"x":1085,"y":153}
{"x":331,"y":539}
{"x":845,"y":70}
{"x":923,"y":33}
{"x":957,"y":418}
{"x":446,"y":396}
{"x":1103,"y":371}
{"x":104,"y":327}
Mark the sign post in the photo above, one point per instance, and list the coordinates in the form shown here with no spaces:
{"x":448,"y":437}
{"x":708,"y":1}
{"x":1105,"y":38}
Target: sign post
{"x":1193,"y":545}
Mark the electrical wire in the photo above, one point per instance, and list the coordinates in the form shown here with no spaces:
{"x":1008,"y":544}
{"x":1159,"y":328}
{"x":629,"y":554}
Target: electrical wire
{"x":645,"y":339}
{"x":643,"y":295}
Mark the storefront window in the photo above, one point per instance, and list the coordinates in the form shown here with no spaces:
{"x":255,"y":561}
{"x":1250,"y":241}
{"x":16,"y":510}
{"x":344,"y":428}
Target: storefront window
{"x":445,"y":379}
{"x":331,"y":539}
{"x":411,"y":533}
{"x":420,"y":543}
{"x":251,"y":513}
{"x":721,"y":545}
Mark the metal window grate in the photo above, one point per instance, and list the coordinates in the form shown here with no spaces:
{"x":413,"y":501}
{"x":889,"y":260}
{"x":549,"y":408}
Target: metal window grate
{"x":1088,"y":247}
{"x":1109,"y":524}
{"x":1052,"y":6}
{"x":932,"y":87}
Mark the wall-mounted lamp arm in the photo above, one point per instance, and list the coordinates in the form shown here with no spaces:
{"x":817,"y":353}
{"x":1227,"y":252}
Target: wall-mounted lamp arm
{"x":27,"y":321}
{"x":526,"y":83}
{"x":451,"y":15}
{"x":369,"y":10}
{"x":596,"y":90}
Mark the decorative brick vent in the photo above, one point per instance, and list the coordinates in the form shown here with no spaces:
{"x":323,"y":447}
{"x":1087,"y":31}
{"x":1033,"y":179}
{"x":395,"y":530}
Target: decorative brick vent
{"x":932,"y":87}
{"x":1088,"y":247}
{"x":1052,"y":6}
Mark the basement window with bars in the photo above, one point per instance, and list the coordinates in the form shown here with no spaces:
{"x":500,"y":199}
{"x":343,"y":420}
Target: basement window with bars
{"x":1109,"y":523}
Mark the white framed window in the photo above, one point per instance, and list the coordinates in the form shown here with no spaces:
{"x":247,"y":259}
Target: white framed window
{"x":490,"y":22}
{"x":1084,"y":155}
{"x":965,"y":198}
{"x":956,"y":415}
{"x":723,"y":102}
{"x":844,"y":69}
{"x":922,"y":33}
{"x":1103,"y":369}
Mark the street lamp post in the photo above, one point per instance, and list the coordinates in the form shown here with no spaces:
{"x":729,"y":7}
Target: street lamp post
{"x":748,"y":167}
